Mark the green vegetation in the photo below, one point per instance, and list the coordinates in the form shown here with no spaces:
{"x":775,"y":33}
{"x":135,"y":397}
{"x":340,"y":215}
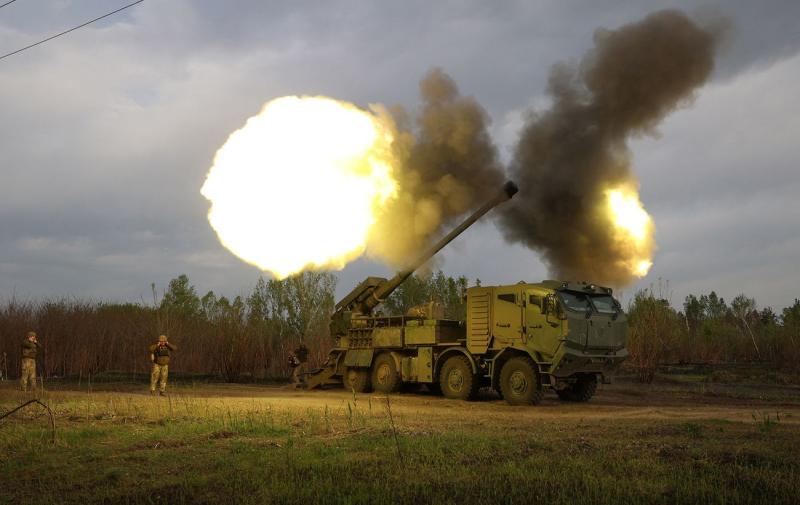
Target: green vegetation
{"x":241,"y":446}
{"x":653,"y":328}
{"x":249,"y":337}
{"x":237,"y":339}
{"x":438,"y":287}
{"x":708,"y":330}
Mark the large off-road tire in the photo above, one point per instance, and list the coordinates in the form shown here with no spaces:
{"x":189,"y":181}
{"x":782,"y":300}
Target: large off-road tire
{"x":456,"y":379}
{"x":356,"y":379}
{"x":519,"y":382}
{"x":385,"y":377}
{"x":580,"y":391}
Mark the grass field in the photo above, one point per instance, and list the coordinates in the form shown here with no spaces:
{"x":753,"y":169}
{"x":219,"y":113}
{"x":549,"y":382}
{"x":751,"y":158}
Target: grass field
{"x":678,"y":441}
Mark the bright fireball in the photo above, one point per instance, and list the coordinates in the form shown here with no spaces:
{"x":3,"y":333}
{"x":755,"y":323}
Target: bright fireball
{"x":300,"y":184}
{"x":633,"y":229}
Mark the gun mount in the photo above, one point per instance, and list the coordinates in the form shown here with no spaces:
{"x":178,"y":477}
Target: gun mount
{"x":373,"y":290}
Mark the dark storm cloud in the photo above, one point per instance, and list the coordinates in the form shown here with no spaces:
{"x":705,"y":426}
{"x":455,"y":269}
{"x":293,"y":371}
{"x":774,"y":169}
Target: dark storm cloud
{"x":107,"y":133}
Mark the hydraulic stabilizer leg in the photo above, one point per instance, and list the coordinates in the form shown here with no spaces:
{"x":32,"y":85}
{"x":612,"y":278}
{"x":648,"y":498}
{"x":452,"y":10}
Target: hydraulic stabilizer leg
{"x":324,"y":376}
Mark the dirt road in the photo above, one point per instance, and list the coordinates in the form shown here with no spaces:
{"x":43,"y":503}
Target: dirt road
{"x":616,"y":401}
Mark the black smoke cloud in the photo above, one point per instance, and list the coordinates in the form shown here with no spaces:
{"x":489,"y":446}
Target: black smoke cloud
{"x":569,"y":155}
{"x":449,"y":166}
{"x":566,"y":159}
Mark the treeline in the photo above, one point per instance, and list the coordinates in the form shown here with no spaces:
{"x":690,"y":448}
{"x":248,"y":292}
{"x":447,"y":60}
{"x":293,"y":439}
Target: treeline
{"x":246,"y":336}
{"x":251,"y":335}
{"x":707,"y":329}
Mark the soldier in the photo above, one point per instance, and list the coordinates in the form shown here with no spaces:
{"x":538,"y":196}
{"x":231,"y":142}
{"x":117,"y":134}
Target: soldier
{"x":159,"y":355}
{"x":30,"y":348}
{"x":297,"y":360}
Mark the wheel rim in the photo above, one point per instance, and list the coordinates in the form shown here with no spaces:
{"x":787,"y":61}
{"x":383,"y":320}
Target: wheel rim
{"x":382,"y":373}
{"x":518,"y":383}
{"x":455,"y":380}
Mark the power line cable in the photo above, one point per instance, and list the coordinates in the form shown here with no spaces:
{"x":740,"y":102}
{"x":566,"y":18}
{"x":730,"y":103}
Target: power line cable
{"x":70,"y":30}
{"x":9,"y":2}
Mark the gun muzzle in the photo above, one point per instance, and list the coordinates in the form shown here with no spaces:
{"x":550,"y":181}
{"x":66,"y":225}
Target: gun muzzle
{"x":510,"y":189}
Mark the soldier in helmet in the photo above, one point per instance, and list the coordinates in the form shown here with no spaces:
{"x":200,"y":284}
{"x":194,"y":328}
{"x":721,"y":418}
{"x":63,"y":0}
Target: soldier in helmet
{"x":30,"y":348}
{"x":159,"y":355}
{"x":297,"y":361}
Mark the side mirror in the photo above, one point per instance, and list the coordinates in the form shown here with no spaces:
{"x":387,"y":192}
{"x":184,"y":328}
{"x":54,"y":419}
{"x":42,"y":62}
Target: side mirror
{"x":548,"y":309}
{"x":550,"y":306}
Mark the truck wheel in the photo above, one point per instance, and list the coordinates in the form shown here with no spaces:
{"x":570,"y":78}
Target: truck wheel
{"x":356,"y":379}
{"x":385,"y":378}
{"x":520,"y":383}
{"x":580,"y":391}
{"x":457,"y":380}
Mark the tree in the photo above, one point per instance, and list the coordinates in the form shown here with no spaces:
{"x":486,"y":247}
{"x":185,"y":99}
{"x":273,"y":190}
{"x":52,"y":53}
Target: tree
{"x":790,"y":316}
{"x":710,"y":325}
{"x":744,"y":308}
{"x":308,"y":299}
{"x":436,"y":287}
{"x":654,"y":329}
{"x":414,"y":291}
{"x":767,"y":317}
{"x":694,"y":312}
{"x":230,"y":336}
{"x":450,"y":293}
{"x":790,"y":319}
{"x":714,"y":307}
{"x":208,"y":305}
{"x":181,"y":297}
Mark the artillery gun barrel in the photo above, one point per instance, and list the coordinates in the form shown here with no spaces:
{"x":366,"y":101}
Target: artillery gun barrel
{"x":385,"y":289}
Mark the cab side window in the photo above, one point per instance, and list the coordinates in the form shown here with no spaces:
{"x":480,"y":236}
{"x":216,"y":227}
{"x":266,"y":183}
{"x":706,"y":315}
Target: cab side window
{"x":508,"y":297}
{"x":535,"y":300}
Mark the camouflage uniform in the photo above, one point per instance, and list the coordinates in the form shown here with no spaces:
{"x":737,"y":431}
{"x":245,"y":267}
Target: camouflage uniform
{"x":28,"y":376}
{"x":159,"y":354}
{"x":298,"y":361}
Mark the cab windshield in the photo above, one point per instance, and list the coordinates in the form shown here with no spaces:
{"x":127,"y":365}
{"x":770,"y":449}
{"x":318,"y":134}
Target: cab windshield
{"x":604,"y":304}
{"x":579,"y":302}
{"x":576,"y":302}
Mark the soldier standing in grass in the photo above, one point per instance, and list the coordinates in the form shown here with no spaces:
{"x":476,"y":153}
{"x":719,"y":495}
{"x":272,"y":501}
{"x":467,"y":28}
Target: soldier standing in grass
{"x":30,"y":348}
{"x":159,"y":355}
{"x":297,"y":361}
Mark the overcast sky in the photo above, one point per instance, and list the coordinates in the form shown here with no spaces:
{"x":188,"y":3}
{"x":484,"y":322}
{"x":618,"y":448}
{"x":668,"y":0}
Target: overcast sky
{"x":107,"y":133}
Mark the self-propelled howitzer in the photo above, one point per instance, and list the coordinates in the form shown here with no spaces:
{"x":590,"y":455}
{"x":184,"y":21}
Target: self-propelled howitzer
{"x":516,"y":339}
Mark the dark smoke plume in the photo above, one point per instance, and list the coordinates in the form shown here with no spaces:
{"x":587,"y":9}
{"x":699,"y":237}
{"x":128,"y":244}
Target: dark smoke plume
{"x":450,"y":166}
{"x":568,"y":156}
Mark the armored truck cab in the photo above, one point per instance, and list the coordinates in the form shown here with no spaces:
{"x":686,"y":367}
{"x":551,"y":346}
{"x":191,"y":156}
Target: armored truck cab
{"x":559,"y":334}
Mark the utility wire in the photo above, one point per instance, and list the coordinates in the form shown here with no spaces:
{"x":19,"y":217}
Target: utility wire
{"x":70,"y":30}
{"x":9,"y":2}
